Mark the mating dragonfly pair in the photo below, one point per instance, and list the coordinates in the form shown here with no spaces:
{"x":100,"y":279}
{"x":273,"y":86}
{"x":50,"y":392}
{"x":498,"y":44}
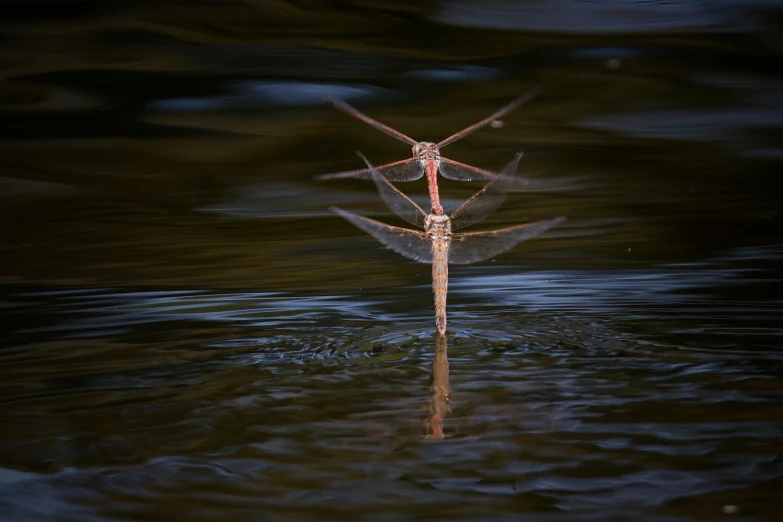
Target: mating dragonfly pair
{"x":437,"y":244}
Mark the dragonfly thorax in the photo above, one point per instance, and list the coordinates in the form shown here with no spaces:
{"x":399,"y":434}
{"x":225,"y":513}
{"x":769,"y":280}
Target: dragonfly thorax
{"x":438,"y":226}
{"x":426,"y":151}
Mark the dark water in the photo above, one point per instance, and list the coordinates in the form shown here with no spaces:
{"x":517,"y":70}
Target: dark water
{"x":189,"y":334}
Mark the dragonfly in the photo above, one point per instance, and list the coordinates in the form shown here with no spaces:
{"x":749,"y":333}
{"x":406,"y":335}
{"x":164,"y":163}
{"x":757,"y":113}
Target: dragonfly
{"x":426,"y":155}
{"x":437,"y":244}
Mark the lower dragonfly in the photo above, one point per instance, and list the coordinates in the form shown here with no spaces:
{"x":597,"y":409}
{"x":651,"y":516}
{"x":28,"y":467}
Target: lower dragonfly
{"x":437,"y":244}
{"x":426,"y":155}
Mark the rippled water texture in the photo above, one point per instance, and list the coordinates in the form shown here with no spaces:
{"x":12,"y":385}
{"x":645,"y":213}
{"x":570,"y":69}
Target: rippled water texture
{"x":188,"y":334}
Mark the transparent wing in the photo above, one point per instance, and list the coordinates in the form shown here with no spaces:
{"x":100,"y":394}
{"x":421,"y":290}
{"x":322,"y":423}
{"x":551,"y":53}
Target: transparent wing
{"x":409,"y":243}
{"x":479,"y":246}
{"x":485,"y":201}
{"x":410,"y":170}
{"x":398,"y":202}
{"x":457,"y":171}
{"x":492,"y":117}
{"x":356,"y":113}
{"x":404,"y":170}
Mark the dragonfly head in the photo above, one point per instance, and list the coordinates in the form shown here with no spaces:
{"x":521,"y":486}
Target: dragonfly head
{"x":438,"y":226}
{"x":426,"y":151}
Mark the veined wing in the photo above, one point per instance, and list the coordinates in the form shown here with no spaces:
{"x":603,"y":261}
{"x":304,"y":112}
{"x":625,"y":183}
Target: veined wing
{"x":404,"y":170}
{"x":479,"y":246}
{"x":409,"y":243}
{"x":457,"y":171}
{"x":485,"y":201}
{"x":356,"y":113}
{"x":398,"y":202}
{"x":492,"y":117}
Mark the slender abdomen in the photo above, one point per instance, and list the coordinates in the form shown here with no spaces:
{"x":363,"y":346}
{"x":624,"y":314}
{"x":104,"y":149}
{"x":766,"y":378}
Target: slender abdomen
{"x":431,"y":170}
{"x":440,"y":281}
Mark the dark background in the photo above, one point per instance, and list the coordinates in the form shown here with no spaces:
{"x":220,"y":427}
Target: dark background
{"x":190,"y":334}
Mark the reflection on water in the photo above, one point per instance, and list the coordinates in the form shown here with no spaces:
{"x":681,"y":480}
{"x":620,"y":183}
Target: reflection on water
{"x":126,"y":404}
{"x":607,"y":16}
{"x":188,"y":334}
{"x":440,"y":403}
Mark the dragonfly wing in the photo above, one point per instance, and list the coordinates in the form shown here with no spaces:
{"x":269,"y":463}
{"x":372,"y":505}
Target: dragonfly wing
{"x":409,"y":243}
{"x":485,"y":201}
{"x":492,"y":117}
{"x":406,"y":167}
{"x":457,"y":171}
{"x":408,"y":170}
{"x":356,"y":113}
{"x":398,"y":202}
{"x":479,"y":246}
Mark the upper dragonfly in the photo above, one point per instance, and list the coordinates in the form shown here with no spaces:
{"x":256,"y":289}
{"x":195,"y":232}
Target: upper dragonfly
{"x":426,"y":155}
{"x":437,"y":244}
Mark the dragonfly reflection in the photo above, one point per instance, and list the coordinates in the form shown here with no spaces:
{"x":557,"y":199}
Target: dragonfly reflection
{"x":440,"y":401}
